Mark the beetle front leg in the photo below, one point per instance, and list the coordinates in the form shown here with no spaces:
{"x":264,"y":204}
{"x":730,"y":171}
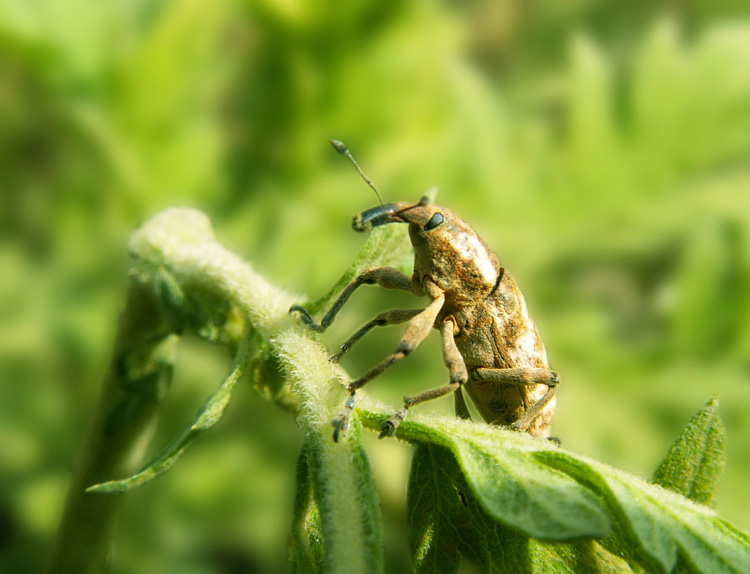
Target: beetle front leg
{"x":458,"y":376}
{"x":341,"y":422}
{"x":387,"y":277}
{"x":416,"y":332}
{"x":526,"y":377}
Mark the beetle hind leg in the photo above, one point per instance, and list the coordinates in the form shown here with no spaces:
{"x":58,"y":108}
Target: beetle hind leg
{"x":533,"y":411}
{"x":391,"y":425}
{"x":458,"y":376}
{"x":523,"y":377}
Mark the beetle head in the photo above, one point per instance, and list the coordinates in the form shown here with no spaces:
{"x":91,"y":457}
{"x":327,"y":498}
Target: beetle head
{"x":446,"y":249}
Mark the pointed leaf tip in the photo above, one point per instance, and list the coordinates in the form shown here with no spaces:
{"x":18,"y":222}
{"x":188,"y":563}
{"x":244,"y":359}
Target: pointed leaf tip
{"x":212,"y":412}
{"x":695,"y":461}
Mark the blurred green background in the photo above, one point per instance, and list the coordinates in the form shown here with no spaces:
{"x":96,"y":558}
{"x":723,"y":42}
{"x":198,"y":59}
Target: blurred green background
{"x":602,"y":148}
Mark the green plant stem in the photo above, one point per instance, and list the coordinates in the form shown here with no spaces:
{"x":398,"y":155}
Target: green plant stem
{"x":118,"y":435}
{"x":179,"y":244}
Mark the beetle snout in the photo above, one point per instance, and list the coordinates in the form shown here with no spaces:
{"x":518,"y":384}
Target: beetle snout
{"x":379,"y":215}
{"x":373,"y":217}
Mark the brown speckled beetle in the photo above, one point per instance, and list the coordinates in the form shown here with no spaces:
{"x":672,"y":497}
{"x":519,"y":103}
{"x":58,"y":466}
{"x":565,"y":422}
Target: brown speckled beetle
{"x":490,"y":343}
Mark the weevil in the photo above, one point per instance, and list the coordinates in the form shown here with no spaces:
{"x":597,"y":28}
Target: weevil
{"x":490,"y":344}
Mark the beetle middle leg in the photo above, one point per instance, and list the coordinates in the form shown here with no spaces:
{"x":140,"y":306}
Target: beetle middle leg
{"x":393,"y":317}
{"x":524,"y":377}
{"x":417,"y":330}
{"x":458,"y":376}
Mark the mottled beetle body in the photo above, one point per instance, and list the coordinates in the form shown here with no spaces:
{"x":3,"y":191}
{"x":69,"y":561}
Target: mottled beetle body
{"x":490,"y":343}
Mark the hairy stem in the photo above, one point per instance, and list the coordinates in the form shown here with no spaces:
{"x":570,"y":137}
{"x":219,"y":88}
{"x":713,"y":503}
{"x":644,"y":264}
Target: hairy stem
{"x":180,"y":275}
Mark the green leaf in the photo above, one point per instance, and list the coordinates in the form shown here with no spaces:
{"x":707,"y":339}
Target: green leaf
{"x":545,"y":492}
{"x":316,"y":527}
{"x":185,"y":304}
{"x":696,"y":460}
{"x":511,"y":485}
{"x":446,"y":521}
{"x":306,"y":541}
{"x":434,"y":506}
{"x":210,"y":415}
{"x":364,"y":509}
{"x":656,"y":525}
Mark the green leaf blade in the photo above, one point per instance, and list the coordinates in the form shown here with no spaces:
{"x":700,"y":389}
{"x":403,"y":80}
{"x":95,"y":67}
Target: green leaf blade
{"x":511,"y":476}
{"x":541,"y":502}
{"x":363,"y":521}
{"x":513,"y":487}
{"x":696,"y":460}
{"x":152,"y":471}
{"x":657,"y":525}
{"x":447,"y":521}
{"x":211,"y":413}
{"x":433,"y":539}
{"x":306,"y":540}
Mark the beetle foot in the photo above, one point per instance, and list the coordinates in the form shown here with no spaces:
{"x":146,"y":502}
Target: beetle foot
{"x":342,"y":420}
{"x":306,"y":318}
{"x":340,"y":424}
{"x":391,"y":425}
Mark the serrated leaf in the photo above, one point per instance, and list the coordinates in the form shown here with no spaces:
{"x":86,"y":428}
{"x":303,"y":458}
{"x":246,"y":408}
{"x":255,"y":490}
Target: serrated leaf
{"x":538,"y":501}
{"x":534,"y":487}
{"x":696,"y":460}
{"x":446,"y":521}
{"x":658,"y":525}
{"x":209,"y":416}
{"x":512,"y":486}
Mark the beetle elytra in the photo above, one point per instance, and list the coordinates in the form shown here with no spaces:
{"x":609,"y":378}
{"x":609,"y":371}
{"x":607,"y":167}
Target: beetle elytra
{"x":490,"y":344}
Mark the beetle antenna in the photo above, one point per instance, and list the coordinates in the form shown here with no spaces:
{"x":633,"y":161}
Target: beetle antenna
{"x":343,"y":150}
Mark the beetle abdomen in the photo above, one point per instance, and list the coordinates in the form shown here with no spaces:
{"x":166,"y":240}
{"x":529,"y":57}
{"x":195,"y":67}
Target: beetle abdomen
{"x":500,"y":334}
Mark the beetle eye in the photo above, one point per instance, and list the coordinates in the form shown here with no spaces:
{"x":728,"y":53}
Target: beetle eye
{"x":434,"y":221}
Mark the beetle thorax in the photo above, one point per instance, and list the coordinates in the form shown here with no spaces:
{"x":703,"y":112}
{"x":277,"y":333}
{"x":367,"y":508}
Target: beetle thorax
{"x":457,"y":260}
